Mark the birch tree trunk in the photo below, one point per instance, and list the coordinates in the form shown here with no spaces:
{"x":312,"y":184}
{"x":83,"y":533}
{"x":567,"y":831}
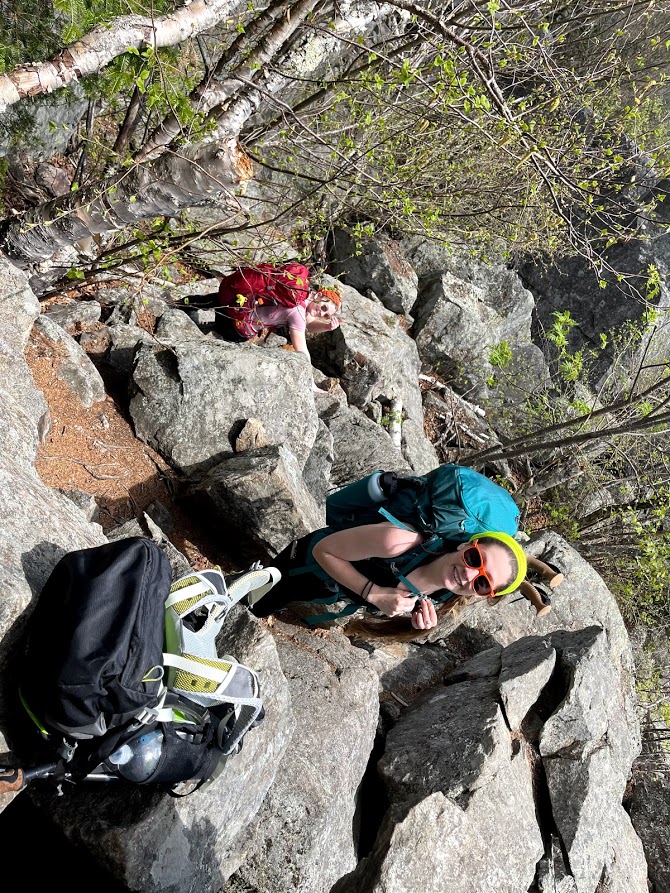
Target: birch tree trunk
{"x":211,"y":92}
{"x":99,"y":47}
{"x":203,"y":174}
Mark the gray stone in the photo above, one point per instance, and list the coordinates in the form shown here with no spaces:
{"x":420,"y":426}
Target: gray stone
{"x":198,"y":287}
{"x":96,"y":343}
{"x":407,"y":670}
{"x":572,"y":284}
{"x":74,"y":313}
{"x":84,"y":501}
{"x":625,"y":865}
{"x":435,"y":746}
{"x":19,"y":438}
{"x":75,"y":369}
{"x":129,"y":301}
{"x":301,"y":839}
{"x":360,"y":446}
{"x":650,"y":815}
{"x":124,"y":342}
{"x":316,"y":472}
{"x":434,"y":841}
{"x":53,"y":119}
{"x":161,"y":515}
{"x":587,"y":749}
{"x":175,"y":326}
{"x":18,"y":311}
{"x":553,"y":876}
{"x":417,"y":448}
{"x":527,"y":666}
{"x":378,"y":265}
{"x":432,"y":849}
{"x":484,"y":665}
{"x":203,"y":318}
{"x":261,"y":494}
{"x":371,"y":354}
{"x":191,"y":401}
{"x":456,"y":326}
{"x":251,"y":437}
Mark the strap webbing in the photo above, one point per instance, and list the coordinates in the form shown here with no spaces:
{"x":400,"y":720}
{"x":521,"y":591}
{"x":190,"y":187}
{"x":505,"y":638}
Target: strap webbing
{"x":410,"y":586}
{"x":332,"y":615}
{"x":394,"y":520}
{"x":206,"y":671}
{"x":180,"y":595}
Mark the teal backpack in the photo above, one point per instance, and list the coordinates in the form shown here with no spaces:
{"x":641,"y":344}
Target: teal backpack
{"x":452,"y":503}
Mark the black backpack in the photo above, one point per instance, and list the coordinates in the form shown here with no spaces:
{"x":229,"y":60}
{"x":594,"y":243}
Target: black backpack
{"x":121,"y":674}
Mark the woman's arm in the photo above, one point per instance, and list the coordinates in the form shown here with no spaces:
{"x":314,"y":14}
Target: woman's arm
{"x":336,"y":552}
{"x":316,"y":324}
{"x":299,"y":343}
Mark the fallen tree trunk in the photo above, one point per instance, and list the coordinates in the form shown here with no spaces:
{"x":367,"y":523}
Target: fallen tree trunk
{"x":103,"y":44}
{"x":203,"y":174}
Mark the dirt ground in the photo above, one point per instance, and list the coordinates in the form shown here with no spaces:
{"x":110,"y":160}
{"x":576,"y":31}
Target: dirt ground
{"x":95,"y":450}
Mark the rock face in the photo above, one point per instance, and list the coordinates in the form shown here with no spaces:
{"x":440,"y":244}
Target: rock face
{"x":192,"y":399}
{"x":458,"y":768}
{"x":650,"y":815}
{"x":263,"y":493}
{"x":466,"y":307}
{"x":301,"y":840}
{"x":572,"y":285}
{"x":492,"y":754}
{"x":76,"y":369}
{"x":379,"y":267}
{"x":371,"y":354}
{"x":38,"y":524}
{"x":458,"y":330}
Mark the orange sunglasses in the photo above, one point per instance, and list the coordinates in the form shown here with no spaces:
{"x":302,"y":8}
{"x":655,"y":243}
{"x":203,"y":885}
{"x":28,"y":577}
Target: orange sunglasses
{"x":482,"y":583}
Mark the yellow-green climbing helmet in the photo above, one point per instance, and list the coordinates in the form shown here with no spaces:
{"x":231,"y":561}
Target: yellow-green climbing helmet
{"x":519,"y":554}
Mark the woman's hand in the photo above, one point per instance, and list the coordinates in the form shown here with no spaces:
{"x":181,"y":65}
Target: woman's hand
{"x":424,"y":615}
{"x":392,"y":602}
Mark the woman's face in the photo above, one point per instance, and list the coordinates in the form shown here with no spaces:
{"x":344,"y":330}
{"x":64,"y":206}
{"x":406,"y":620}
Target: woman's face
{"x":458,"y":576}
{"x":321,"y":307}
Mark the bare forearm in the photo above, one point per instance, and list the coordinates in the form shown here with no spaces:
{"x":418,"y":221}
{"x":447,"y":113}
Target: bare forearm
{"x":335,"y":554}
{"x":342,"y":571}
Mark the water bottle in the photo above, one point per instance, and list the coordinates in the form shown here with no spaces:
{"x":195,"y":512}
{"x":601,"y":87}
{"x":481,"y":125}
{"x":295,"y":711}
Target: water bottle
{"x":138,"y":759}
{"x":375,"y":491}
{"x":120,"y":756}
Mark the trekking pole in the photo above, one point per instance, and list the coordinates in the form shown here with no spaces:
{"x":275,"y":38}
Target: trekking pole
{"x":529,"y":592}
{"x":550,"y":574}
{"x":14,"y":779}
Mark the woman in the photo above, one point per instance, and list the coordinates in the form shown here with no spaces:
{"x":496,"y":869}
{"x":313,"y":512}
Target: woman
{"x":254,"y":301}
{"x":382,"y":568}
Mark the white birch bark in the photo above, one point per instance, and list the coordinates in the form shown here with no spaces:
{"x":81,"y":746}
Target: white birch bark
{"x":203,"y":174}
{"x":212,"y":91}
{"x":99,"y":47}
{"x":395,"y":422}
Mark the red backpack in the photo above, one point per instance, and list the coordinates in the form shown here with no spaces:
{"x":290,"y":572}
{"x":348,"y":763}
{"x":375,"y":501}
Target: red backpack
{"x":243,"y":290}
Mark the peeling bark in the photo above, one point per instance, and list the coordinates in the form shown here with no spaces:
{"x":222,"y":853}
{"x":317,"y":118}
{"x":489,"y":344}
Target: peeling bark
{"x":203,"y":174}
{"x":211,"y":91}
{"x":220,"y":98}
{"x":99,"y":47}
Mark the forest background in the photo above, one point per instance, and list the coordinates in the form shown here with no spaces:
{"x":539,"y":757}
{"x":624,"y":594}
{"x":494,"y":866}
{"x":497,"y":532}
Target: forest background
{"x":528,"y":130}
